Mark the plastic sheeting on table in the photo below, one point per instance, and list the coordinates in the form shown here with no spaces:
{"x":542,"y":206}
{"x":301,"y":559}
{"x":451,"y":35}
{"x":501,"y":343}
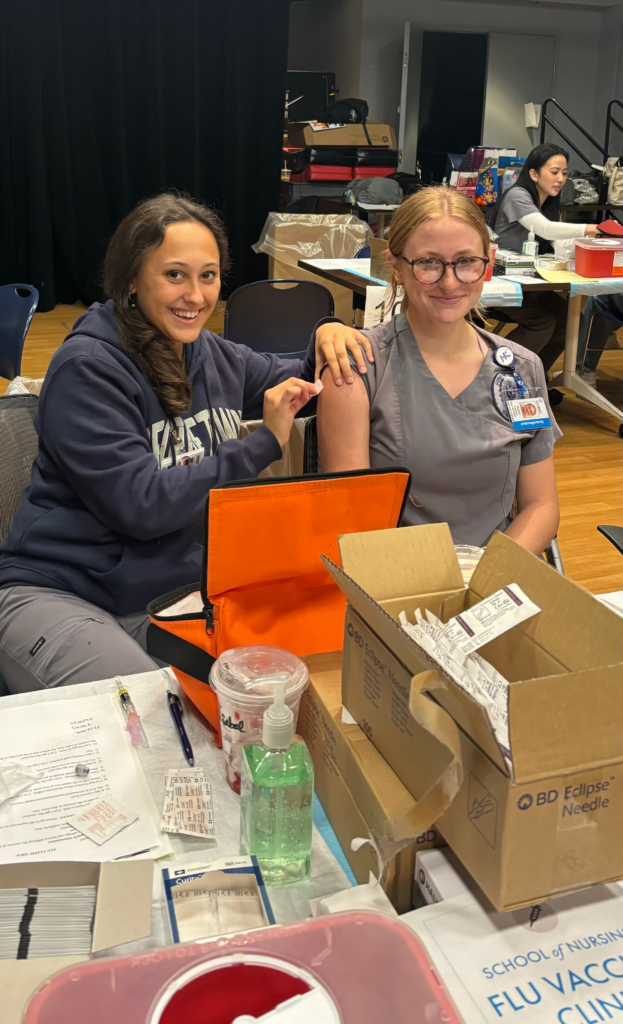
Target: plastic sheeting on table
{"x":604,"y":286}
{"x":148,"y":692}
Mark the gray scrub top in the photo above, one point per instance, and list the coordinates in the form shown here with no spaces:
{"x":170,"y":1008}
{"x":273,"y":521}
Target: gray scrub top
{"x":515,"y":203}
{"x":463,"y":453}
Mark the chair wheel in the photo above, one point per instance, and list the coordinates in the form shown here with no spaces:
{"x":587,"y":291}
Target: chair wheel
{"x":620,"y":429}
{"x":555,"y":396}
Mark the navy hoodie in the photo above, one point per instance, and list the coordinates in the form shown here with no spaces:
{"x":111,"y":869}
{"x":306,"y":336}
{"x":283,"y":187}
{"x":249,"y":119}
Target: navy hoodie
{"x":114,"y":511}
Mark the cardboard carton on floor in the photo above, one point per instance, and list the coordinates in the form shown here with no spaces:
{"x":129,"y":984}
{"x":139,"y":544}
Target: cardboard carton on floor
{"x":122,"y":914}
{"x":302,"y":133}
{"x":361,"y":795}
{"x":557,"y":824}
{"x":379,"y":267}
{"x":288,"y":238}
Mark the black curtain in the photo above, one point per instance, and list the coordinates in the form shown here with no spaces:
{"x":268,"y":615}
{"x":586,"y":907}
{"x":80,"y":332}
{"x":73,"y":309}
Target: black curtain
{"x":104,"y":102}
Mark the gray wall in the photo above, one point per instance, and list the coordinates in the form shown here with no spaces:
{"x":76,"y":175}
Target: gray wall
{"x":610,"y":75}
{"x":577,"y":31}
{"x":325,"y":35}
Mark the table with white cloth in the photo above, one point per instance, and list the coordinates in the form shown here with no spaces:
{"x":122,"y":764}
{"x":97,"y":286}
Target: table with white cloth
{"x":503,"y":292}
{"x":148,"y":692}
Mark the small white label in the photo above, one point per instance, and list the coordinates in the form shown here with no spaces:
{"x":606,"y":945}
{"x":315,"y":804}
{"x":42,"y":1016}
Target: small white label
{"x":487,"y":620}
{"x":617,"y":264}
{"x":103,"y":820}
{"x":322,"y":126}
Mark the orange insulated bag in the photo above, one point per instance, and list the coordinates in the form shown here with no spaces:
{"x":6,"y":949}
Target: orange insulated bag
{"x":263,"y":581}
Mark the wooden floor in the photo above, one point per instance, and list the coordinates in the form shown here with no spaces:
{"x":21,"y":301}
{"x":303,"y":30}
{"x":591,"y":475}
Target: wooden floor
{"x":588,"y":457}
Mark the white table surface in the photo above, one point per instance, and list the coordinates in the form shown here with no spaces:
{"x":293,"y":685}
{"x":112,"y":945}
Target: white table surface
{"x":148,"y":691}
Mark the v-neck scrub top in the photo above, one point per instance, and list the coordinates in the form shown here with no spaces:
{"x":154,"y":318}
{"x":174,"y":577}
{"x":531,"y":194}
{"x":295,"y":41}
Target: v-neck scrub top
{"x":463,"y":453}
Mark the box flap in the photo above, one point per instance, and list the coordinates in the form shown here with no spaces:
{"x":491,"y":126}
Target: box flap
{"x":390,"y":632}
{"x":123,"y":911}
{"x":38,"y":874}
{"x":411,"y":560}
{"x":472,"y":719}
{"x":20,"y":979}
{"x":577,"y":630}
{"x":566,"y":722}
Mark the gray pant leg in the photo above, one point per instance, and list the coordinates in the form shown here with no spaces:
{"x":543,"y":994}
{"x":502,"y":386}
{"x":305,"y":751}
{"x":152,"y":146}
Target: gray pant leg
{"x":51,"y":638}
{"x":136,"y":626}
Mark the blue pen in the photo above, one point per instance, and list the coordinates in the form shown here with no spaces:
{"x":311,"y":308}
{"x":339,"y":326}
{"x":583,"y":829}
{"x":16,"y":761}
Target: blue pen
{"x":176,"y":710}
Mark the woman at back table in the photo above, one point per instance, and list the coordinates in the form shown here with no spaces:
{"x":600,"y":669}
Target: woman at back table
{"x":137,"y":419}
{"x":442,"y":396}
{"x":533,"y":204}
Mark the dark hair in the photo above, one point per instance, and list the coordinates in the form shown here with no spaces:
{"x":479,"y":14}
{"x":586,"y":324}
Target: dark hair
{"x":534,"y":161}
{"x":138,"y":235}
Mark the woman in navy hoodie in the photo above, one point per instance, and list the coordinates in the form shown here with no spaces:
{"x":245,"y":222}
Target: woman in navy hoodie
{"x":138,"y":418}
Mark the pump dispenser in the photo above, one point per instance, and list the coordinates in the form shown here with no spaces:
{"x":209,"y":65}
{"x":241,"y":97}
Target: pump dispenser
{"x":531,"y":247}
{"x":277,"y":790}
{"x":278,"y":728}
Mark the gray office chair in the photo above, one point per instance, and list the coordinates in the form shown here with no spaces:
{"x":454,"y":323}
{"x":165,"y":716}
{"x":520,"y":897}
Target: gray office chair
{"x":311,"y":465}
{"x":18,"y":448}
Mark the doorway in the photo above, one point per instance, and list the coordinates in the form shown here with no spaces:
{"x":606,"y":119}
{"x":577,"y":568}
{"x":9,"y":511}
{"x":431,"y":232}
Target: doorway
{"x":452,"y":96}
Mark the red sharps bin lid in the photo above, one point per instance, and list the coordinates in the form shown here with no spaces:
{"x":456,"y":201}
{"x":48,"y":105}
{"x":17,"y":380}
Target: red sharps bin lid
{"x":342,"y":969}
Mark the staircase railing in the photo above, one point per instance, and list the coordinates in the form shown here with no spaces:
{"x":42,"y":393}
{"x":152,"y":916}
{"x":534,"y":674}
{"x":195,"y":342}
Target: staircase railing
{"x":546,"y":120}
{"x":611,"y":120}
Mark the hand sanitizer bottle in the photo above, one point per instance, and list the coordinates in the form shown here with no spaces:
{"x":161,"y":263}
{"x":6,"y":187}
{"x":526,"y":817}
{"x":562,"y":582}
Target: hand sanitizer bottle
{"x":277,"y":789}
{"x":531,"y":247}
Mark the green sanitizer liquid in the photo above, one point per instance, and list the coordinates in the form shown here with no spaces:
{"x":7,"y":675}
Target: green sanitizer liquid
{"x":277,"y":789}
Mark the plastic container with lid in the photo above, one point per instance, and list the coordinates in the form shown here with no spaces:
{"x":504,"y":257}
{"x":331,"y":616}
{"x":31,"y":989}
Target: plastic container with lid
{"x":243,"y":679}
{"x":354,"y":968}
{"x":599,"y":257}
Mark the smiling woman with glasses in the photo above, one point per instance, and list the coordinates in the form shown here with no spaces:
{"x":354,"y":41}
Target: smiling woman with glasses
{"x":439,"y":395}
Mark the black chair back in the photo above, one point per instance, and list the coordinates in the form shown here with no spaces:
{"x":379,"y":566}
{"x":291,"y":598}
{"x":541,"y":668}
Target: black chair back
{"x":276,"y":316}
{"x":311,"y":459}
{"x":18,"y":303}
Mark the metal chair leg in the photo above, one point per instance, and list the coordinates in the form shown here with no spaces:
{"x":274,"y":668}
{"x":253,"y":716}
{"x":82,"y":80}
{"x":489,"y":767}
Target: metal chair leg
{"x":552,"y":556}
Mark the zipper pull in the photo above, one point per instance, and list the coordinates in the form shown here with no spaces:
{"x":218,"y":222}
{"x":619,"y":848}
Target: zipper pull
{"x":209,"y":614}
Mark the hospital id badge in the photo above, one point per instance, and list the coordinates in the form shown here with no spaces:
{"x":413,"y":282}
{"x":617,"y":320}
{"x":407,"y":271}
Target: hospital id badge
{"x":529,"y":412}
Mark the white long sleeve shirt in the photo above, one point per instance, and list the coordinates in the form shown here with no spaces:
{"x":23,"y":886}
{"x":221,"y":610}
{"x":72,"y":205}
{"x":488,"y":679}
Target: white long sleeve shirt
{"x":519,"y":215}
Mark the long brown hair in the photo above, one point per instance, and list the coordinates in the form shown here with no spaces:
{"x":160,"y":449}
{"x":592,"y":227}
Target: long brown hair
{"x":430,"y":203}
{"x":138,"y":234}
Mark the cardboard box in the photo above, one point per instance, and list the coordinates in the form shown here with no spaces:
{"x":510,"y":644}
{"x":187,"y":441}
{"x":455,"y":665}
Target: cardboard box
{"x":302,"y":134}
{"x":361,"y":795}
{"x":122,"y":914}
{"x":279,"y":270}
{"x":379,"y":267}
{"x":309,"y":236}
{"x":558,"y":823}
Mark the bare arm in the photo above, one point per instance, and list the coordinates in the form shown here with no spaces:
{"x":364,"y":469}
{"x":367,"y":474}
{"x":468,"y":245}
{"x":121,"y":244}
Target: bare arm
{"x":537,"y":499}
{"x":343,"y":426}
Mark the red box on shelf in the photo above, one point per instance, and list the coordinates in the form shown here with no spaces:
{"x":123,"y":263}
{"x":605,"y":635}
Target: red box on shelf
{"x":323,"y":172}
{"x":599,"y":257}
{"x":373,"y":172}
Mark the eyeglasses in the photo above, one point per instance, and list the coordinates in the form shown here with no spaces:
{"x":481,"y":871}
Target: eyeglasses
{"x":467,"y":269}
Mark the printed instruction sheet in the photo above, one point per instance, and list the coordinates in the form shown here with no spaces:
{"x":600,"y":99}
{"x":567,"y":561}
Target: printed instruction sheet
{"x":53,"y":738}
